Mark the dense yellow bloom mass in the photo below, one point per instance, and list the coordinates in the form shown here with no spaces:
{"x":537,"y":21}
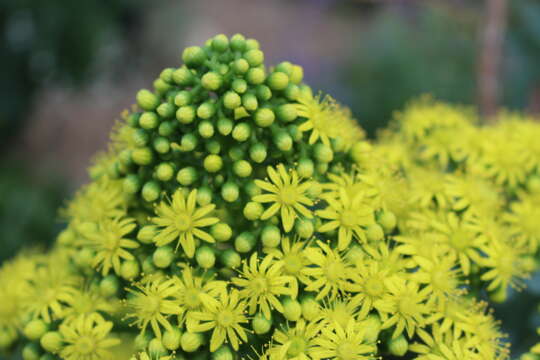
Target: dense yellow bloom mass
{"x":237,"y":216}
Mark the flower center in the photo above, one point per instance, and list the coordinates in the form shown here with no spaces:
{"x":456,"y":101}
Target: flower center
{"x":153,"y":304}
{"x":225,"y":318}
{"x":292,"y":264}
{"x":297,"y":347}
{"x":346,"y":351}
{"x":183,"y":222}
{"x":334,"y":271}
{"x":259,"y":285}
{"x":349,"y":218}
{"x":85,"y":346}
{"x":288,"y":195}
{"x":460,"y":240}
{"x":406,"y":306}
{"x":191,"y":298}
{"x":374,"y":287}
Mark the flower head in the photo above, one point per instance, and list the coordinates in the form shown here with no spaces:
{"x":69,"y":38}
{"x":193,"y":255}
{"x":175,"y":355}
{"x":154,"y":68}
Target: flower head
{"x":344,"y":343}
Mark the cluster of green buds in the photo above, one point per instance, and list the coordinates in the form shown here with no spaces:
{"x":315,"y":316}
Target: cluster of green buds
{"x":237,"y":215}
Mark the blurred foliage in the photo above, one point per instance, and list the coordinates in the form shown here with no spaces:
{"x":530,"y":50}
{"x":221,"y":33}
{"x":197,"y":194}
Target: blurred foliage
{"x":28,"y":210}
{"x":50,"y":41}
{"x":433,"y":50}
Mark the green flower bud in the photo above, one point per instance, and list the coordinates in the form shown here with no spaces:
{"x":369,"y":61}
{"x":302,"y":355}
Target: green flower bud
{"x":398,"y":346}
{"x":130,"y":269}
{"x":240,"y":66}
{"x":238,"y":42}
{"x":241,"y":132}
{"x":189,"y":142}
{"x":148,"y":120}
{"x":230,"y":192}
{"x":297,"y":74}
{"x":52,"y":341}
{"x":286,"y":112}
{"x":187,"y":176}
{"x":230,"y":259}
{"x":183,"y":98}
{"x":260,"y":324}
{"x":277,"y":81}
{"x":283,"y":141}
{"x":142,"y":156}
{"x":223,"y":353}
{"x":322,"y":168}
{"x":211,"y":81}
{"x":165,"y":110}
{"x":236,"y":153}
{"x":255,"y":76}
{"x":162,"y":145}
{"x":125,"y":157}
{"x":242,"y":168}
{"x":84,"y":257}
{"x":166,"y":75}
{"x":131,"y":184}
{"x":374,"y":232}
{"x":204,"y":196}
{"x":252,"y":44}
{"x":263,"y":92}
{"x":254,"y":57}
{"x":264,"y":117}
{"x":190,"y":342}
{"x":213,"y":147}
{"x":193,"y":56}
{"x":147,"y":100}
{"x":304,"y":228}
{"x":156,"y":348}
{"x":31,"y":351}
{"x":206,"y":129}
{"x":387,"y":220}
{"x":140,"y":137}
{"x":35,"y":329}
{"x":185,"y":114}
{"x":206,"y":110}
{"x":147,"y":234}
{"x":163,"y":257}
{"x":109,"y":285}
{"x":171,"y":339}
{"x":161,"y":86}
{"x":323,"y":153}
{"x":224,"y":126}
{"x":253,"y":210}
{"x":271,"y":236}
{"x":182,"y":76}
{"x":292,"y":92}
{"x":220,"y":43}
{"x":360,"y":150}
{"x":239,"y":86}
{"x":221,"y":232}
{"x":249,"y":101}
{"x":213,"y":163}
{"x":141,"y":341}
{"x":150,"y":191}
{"x":164,"y":172}
{"x":231,"y":100}
{"x":133,"y":119}
{"x":373,"y":328}
{"x":310,"y":308}
{"x":258,"y":153}
{"x":284,"y":67}
{"x":148,"y":266}
{"x":205,"y":257}
{"x":305,"y":168}
{"x":7,"y":338}
{"x":244,"y":242}
{"x":252,"y":189}
{"x":166,"y":128}
{"x":292,"y":310}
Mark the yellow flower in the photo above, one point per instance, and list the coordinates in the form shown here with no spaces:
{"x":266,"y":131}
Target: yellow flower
{"x":344,"y":343}
{"x":293,"y":258}
{"x":261,"y":284}
{"x":181,"y":220}
{"x":475,"y":195}
{"x":110,"y":244}
{"x":368,"y":285}
{"x":153,"y":304}
{"x":225,"y":316}
{"x":348,"y":215}
{"x":329,"y":272}
{"x":440,"y":345}
{"x":298,"y":342}
{"x":88,"y":300}
{"x":87,"y":338}
{"x":406,"y":304}
{"x":286,"y":193}
{"x":524,"y":224}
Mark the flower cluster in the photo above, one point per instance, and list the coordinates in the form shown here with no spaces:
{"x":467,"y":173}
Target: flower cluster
{"x":238,"y":215}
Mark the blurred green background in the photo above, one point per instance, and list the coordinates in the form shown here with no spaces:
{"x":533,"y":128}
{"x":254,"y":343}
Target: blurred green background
{"x":69,"y":68}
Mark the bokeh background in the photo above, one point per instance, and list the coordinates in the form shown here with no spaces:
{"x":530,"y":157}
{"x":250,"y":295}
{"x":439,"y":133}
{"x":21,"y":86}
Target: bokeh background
{"x":68,"y":68}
